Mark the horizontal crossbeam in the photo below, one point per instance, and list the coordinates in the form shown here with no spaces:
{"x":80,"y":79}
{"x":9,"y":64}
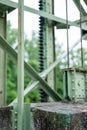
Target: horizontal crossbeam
{"x":6,"y":47}
{"x":44,"y":14}
{"x":38,"y":12}
{"x":83,"y":19}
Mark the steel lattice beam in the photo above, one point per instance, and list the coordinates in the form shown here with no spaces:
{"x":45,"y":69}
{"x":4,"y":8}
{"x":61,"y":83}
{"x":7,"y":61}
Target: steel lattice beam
{"x":40,"y":13}
{"x":4,"y":45}
{"x":44,"y":14}
{"x":77,"y":3}
{"x":30,"y":87}
{"x":85,"y":2}
{"x":20,"y":63}
{"x":84,"y":19}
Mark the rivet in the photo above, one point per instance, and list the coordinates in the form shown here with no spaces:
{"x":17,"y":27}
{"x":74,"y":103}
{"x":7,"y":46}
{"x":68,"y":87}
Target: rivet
{"x":72,"y":80}
{"x":15,"y":120}
{"x":16,"y":113}
{"x":15,"y":128}
{"x":73,"y":89}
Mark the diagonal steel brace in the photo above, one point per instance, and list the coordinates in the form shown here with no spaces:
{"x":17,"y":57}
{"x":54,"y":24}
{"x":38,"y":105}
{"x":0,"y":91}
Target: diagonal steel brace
{"x":6,"y":47}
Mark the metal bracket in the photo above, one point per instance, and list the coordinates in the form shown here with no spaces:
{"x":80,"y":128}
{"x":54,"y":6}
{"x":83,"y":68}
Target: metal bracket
{"x":27,"y":121}
{"x":75,"y":84}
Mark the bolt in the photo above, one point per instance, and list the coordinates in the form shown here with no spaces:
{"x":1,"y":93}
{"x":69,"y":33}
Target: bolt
{"x":73,"y":89}
{"x":15,"y":120}
{"x":72,"y":80}
{"x":16,"y":113}
{"x":15,"y":128}
{"x":73,"y":96}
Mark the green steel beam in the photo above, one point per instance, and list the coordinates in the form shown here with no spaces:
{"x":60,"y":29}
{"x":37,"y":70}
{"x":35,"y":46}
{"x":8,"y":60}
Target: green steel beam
{"x":4,"y":45}
{"x":27,"y":116}
{"x":20,"y":63}
{"x":29,"y":88}
{"x":77,"y":3}
{"x":40,"y":13}
{"x":50,"y":43}
{"x":84,"y":22}
{"x":48,"y":16}
{"x":46,"y":72}
{"x":84,"y":19}
{"x":28,"y":123}
{"x":5,"y":8}
{"x":9,"y":3}
{"x":43,"y":74}
{"x":85,"y":2}
{"x":3,"y":64}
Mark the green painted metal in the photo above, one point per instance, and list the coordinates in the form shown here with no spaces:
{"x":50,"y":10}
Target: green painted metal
{"x":50,"y":43}
{"x":5,"y":8}
{"x":43,"y":75}
{"x":20,"y":64}
{"x":44,"y":85}
{"x":2,"y":78}
{"x":22,"y":110}
{"x":84,"y":19}
{"x":75,"y":84}
{"x":30,"y":71}
{"x":4,"y":45}
{"x":48,"y":16}
{"x":14,"y":117}
{"x":85,"y":2}
{"x":77,"y":3}
{"x":9,"y":3}
{"x":83,"y":22}
{"x":40,"y":13}
{"x":45,"y":37}
{"x":3,"y":64}
{"x":28,"y":121}
{"x":42,"y":46}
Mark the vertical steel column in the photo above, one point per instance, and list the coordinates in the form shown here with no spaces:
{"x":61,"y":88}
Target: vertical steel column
{"x":47,"y":46}
{"x":50,"y":43}
{"x":82,"y":61}
{"x":20,"y":63}
{"x":3,"y":63}
{"x":42,"y":48}
{"x":67,"y":34}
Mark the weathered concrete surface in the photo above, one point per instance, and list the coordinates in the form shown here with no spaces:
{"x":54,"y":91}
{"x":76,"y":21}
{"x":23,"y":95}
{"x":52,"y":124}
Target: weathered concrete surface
{"x":6,"y":118}
{"x":60,"y":116}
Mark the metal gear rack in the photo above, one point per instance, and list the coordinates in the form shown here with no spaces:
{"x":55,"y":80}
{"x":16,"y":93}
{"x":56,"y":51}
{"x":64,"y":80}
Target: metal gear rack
{"x":47,"y":21}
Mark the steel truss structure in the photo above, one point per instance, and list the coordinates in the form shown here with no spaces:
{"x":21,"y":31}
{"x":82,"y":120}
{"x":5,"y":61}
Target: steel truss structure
{"x":6,"y":6}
